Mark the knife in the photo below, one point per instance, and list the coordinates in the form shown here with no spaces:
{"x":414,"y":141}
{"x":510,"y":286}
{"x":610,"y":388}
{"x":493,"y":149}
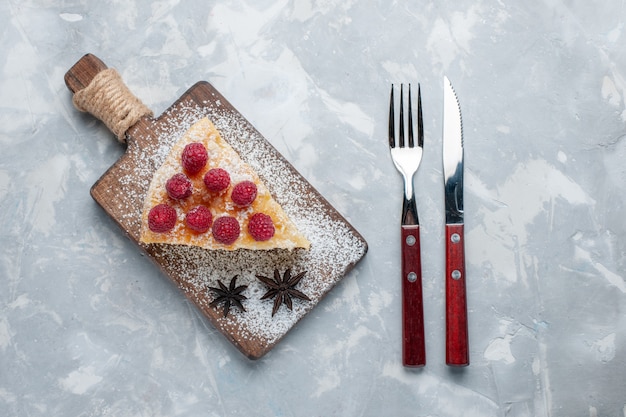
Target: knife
{"x":457,"y":353}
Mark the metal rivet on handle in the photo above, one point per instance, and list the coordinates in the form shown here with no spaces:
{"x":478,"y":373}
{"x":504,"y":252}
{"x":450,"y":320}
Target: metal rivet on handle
{"x":410,"y":240}
{"x":455,"y":238}
{"x":456,"y":274}
{"x":412,"y":277}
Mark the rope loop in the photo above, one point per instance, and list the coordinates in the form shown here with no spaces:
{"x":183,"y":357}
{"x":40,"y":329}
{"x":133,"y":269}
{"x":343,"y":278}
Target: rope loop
{"x":107,"y":98}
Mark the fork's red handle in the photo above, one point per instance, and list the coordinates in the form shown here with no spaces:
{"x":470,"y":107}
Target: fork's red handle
{"x":413,"y":348}
{"x":457,"y":352}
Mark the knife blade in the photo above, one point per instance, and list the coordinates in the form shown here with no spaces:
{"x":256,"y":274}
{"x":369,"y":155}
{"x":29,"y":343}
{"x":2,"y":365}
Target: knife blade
{"x":457,"y":352}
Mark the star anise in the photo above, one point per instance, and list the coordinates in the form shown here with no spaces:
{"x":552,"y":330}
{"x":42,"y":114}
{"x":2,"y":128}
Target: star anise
{"x":229,"y":296}
{"x":282,"y":288}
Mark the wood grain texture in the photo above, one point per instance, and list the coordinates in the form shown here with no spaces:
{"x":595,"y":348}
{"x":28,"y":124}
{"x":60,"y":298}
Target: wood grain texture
{"x":122,"y":189}
{"x":413,"y":342}
{"x":81,"y":74}
{"x":457,"y":351}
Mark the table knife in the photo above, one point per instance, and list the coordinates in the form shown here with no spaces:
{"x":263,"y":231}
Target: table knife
{"x":457,"y":353}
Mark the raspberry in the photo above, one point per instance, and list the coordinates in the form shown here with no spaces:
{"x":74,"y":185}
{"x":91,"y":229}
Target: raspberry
{"x":261,"y":227}
{"x":244,"y":193}
{"x":216,"y":180}
{"x":162,"y":218}
{"x":194,"y":157}
{"x":226,"y":229}
{"x":179,"y":187}
{"x":199,"y":219}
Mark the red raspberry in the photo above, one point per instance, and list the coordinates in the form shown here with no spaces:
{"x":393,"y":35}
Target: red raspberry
{"x":226,"y":229}
{"x":216,"y":180}
{"x":162,"y":218}
{"x":199,"y":219}
{"x":179,"y":187}
{"x":244,"y":193}
{"x":194,"y":157}
{"x":261,"y":227}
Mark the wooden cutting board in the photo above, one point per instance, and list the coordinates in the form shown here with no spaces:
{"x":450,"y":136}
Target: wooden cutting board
{"x":335,"y":245}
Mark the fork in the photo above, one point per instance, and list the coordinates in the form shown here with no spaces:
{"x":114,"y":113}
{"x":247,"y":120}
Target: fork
{"x":407,"y":155}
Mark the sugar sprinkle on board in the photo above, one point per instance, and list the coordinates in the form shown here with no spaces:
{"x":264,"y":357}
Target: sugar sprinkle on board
{"x":336,"y":246}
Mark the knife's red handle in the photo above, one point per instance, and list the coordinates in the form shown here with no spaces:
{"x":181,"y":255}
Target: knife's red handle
{"x":457,"y":352}
{"x":413,"y":347}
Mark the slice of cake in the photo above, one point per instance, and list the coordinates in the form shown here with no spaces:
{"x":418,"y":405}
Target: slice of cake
{"x":205,"y":195}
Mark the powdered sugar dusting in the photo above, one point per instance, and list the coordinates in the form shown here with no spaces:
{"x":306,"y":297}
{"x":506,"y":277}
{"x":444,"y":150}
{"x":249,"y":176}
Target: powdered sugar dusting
{"x":221,"y":155}
{"x":335,"y":246}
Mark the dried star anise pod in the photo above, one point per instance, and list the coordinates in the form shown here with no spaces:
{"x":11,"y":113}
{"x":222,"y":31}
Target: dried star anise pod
{"x":282,"y":288}
{"x":229,"y":296}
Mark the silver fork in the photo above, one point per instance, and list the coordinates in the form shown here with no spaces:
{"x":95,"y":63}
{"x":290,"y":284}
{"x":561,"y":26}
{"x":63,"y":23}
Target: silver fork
{"x":406,"y":156}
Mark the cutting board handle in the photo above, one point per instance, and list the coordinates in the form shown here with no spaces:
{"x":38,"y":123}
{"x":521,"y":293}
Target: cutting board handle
{"x":100,"y":91}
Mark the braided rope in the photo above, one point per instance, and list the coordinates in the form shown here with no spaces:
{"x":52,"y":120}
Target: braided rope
{"x":107,"y":98}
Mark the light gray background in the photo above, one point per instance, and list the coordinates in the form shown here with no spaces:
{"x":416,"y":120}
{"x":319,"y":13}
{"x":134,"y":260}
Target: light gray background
{"x":88,"y":326}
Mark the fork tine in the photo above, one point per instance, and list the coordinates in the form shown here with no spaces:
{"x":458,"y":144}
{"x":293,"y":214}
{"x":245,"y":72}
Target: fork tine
{"x":401,"y":122}
{"x":410,"y":122}
{"x":420,"y":122}
{"x":392,"y":133}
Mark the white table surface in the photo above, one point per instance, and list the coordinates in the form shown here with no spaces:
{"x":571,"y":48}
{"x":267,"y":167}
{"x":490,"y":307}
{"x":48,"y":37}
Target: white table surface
{"x":90,"y":327}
